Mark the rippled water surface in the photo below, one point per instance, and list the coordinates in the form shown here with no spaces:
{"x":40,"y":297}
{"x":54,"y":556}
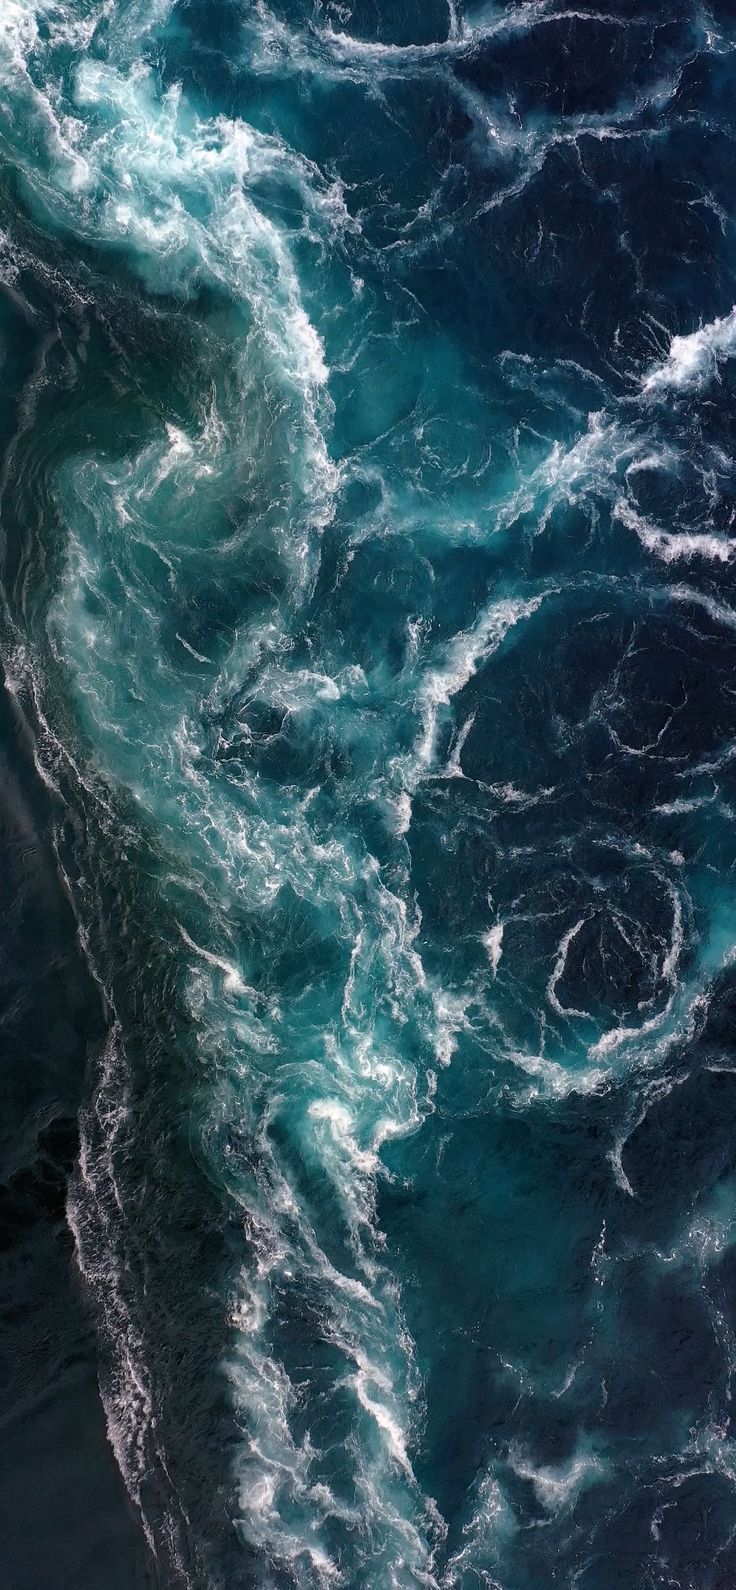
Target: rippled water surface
{"x":368,"y":794}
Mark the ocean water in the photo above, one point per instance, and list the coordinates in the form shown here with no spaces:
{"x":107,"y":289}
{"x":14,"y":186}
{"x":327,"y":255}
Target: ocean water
{"x":368,"y":796}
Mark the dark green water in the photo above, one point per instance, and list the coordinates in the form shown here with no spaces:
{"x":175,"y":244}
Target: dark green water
{"x":368,"y":746}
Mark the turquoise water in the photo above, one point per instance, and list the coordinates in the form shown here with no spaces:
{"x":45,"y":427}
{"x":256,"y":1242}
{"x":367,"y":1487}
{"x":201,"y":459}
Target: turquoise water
{"x":368,"y":741}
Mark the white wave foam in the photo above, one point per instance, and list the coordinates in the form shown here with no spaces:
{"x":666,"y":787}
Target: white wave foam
{"x":558,"y":971}
{"x":232,"y":980}
{"x":720,"y":612}
{"x":670,"y":546}
{"x":454,"y":769}
{"x":451,"y":1018}
{"x":558,"y":1488}
{"x":493,"y":946}
{"x":574,"y":473}
{"x":130,"y":166}
{"x":333,"y":50}
{"x":553,"y":1080}
{"x":465,"y":655}
{"x":693,"y":360}
{"x":98,"y":1218}
{"x":619,"y":1037}
{"x":490,"y":1524}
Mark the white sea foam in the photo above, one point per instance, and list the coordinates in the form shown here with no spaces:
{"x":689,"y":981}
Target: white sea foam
{"x":174,"y":193}
{"x":553,"y":1080}
{"x":557,"y":1488}
{"x":454,"y":769}
{"x":570,"y":474}
{"x":493,"y":945}
{"x":451,"y":1019}
{"x":136,"y":168}
{"x":465,"y":655}
{"x":719,"y":612}
{"x":97,"y":1215}
{"x":334,"y":51}
{"x":693,"y":360}
{"x":232,"y":980}
{"x":490,"y":1524}
{"x":618,"y":1037}
{"x":671,"y":546}
{"x":558,"y":971}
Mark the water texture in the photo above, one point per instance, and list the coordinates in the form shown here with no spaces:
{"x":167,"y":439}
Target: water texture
{"x":368,"y":797}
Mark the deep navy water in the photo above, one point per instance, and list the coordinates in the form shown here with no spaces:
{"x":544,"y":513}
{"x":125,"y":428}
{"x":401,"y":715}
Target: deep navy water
{"x":367,"y":794}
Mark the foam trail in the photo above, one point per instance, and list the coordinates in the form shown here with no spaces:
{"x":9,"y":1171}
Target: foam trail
{"x":466,"y":654}
{"x":693,"y":360}
{"x":673,"y":547}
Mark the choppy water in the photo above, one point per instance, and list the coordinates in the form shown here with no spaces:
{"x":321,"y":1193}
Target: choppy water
{"x":368,"y":750}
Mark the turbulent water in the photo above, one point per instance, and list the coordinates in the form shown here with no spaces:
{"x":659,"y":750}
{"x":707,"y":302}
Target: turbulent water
{"x":368,"y":797}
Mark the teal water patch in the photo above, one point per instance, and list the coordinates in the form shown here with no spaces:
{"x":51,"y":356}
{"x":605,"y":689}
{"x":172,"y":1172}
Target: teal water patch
{"x":368,"y":589}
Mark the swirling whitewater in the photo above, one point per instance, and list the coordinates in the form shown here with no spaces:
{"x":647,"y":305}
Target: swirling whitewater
{"x":285,"y":624}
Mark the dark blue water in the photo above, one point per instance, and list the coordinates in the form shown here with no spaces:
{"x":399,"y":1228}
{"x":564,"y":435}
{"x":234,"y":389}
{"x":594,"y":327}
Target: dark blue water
{"x":368,"y":795}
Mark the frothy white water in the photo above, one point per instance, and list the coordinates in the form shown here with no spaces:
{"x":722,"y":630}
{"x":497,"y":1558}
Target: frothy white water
{"x":558,"y":972}
{"x":672,"y":547}
{"x":490,"y":1524}
{"x":465,"y":655}
{"x":558,"y":1488}
{"x":493,"y":945}
{"x":98,"y":1212}
{"x":137,"y":168}
{"x":330,"y":52}
{"x":572,"y":474}
{"x":338,"y":1079}
{"x":693,"y":360}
